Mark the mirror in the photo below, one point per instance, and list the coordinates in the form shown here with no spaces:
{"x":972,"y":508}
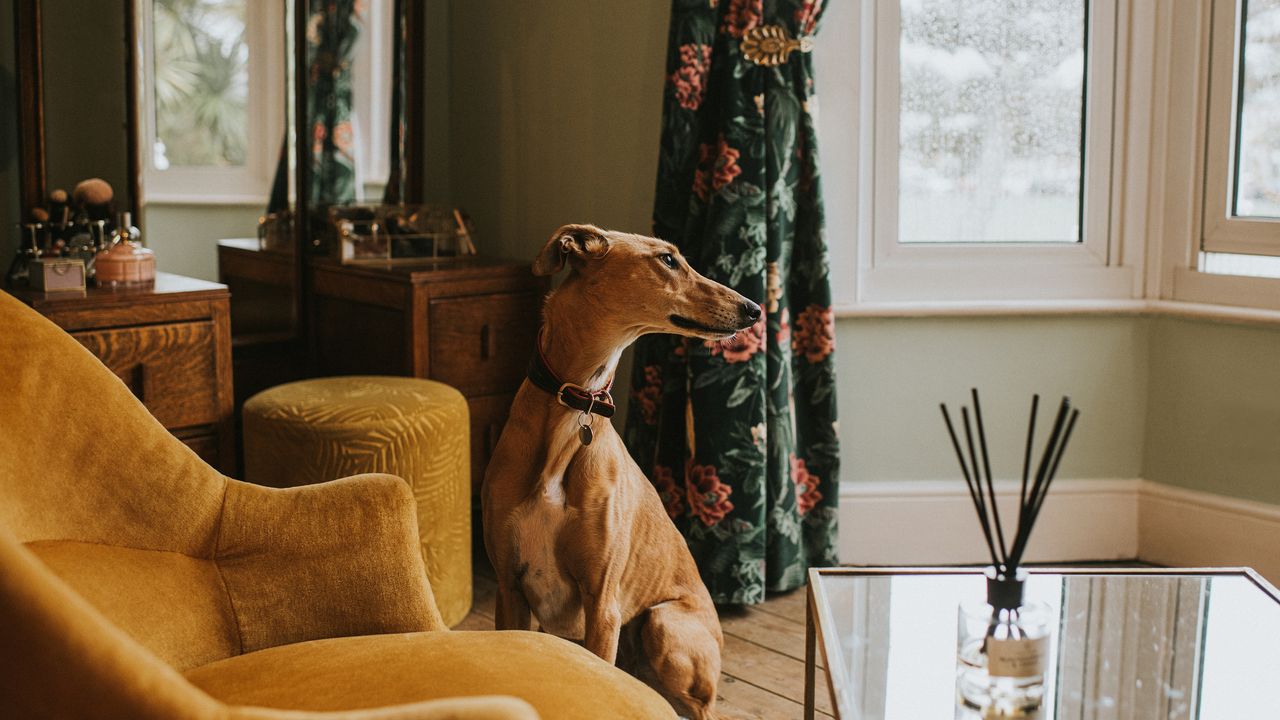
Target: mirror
{"x":86,"y":53}
{"x":358,"y":107}
{"x":189,"y":109}
{"x":348,"y":99}
{"x":68,"y":71}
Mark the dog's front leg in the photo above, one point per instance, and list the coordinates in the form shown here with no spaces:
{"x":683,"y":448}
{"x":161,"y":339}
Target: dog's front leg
{"x":604,"y":622}
{"x":511,"y":610}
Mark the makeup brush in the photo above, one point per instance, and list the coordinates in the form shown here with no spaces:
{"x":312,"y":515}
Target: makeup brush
{"x":94,"y":196}
{"x":59,"y":209}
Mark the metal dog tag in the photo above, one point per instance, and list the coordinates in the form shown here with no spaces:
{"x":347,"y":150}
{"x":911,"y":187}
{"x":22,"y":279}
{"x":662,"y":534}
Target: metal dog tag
{"x":585,"y":434}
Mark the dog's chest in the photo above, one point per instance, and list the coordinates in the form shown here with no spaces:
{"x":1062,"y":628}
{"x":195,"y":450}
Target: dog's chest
{"x":553,"y":596}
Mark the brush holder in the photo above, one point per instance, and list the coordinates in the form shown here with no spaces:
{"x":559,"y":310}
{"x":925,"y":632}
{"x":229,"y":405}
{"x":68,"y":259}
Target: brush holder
{"x":1001,"y":649}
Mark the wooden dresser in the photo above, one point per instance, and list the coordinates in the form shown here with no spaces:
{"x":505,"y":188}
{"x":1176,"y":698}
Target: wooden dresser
{"x":170,"y":343}
{"x":469,"y":323}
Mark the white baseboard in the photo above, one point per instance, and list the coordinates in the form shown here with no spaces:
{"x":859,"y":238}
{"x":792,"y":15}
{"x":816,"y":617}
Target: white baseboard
{"x":932,"y":522}
{"x":1190,"y":528}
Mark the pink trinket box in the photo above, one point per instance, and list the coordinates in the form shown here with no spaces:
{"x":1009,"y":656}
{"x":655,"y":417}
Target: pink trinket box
{"x":57,"y":275}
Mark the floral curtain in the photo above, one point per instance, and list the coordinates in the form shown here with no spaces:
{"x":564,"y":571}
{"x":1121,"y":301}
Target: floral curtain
{"x":332,"y":31}
{"x":740,"y":437}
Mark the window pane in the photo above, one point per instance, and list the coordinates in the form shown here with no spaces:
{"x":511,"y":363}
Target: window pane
{"x":992,"y":97}
{"x":1258,"y":153}
{"x":1235,"y":264}
{"x":201,"y":83}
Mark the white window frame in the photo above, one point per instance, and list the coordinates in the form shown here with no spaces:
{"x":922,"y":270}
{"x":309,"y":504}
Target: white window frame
{"x":250,"y":183}
{"x":371,"y":99}
{"x":1223,"y":231}
{"x":892,"y":272}
{"x":1184,"y":189}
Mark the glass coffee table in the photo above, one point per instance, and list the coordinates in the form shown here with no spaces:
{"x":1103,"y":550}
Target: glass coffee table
{"x":1126,"y":644}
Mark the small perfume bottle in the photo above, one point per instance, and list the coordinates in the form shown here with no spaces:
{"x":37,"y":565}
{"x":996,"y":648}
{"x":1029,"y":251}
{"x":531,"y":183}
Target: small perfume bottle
{"x":1001,"y":649}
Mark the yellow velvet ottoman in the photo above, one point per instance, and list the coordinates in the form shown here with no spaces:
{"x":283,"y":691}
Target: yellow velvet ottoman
{"x":316,"y":430}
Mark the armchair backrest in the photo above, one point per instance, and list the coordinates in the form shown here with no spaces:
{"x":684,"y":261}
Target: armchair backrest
{"x":82,"y":459}
{"x":115,"y":506}
{"x":61,"y":658}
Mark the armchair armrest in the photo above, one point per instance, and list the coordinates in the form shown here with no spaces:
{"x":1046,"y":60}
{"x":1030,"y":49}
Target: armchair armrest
{"x":484,"y":707}
{"x":329,"y":560}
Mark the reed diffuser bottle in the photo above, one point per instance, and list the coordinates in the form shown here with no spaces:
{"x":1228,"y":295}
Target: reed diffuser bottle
{"x":1001,"y":649}
{"x":1002,"y":644}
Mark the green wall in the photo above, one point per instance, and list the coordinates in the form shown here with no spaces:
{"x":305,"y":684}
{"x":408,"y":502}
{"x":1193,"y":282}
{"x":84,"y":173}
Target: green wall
{"x":185,"y":236}
{"x":554,"y":113}
{"x":894,"y":372}
{"x":1213,"y":419}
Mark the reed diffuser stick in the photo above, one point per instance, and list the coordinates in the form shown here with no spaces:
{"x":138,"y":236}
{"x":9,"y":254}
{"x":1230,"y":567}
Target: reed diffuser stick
{"x":1053,"y":471}
{"x":1037,"y":485}
{"x":977,"y":481}
{"x":973,"y":494}
{"x":991,"y":490}
{"x":1026,"y":458}
{"x":1032,"y":491}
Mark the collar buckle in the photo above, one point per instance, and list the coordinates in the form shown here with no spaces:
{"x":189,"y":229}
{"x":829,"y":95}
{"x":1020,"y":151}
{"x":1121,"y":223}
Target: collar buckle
{"x":566,"y":386}
{"x":591,"y":396}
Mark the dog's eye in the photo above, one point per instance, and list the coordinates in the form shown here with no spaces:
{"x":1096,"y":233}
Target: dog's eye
{"x":669,"y":260}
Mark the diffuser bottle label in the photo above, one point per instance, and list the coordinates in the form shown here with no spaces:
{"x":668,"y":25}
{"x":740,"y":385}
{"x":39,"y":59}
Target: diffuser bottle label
{"x":1020,"y":658}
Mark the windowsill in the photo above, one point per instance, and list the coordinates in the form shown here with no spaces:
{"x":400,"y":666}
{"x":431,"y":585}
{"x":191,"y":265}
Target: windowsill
{"x":258,"y":201}
{"x":1065,"y":308}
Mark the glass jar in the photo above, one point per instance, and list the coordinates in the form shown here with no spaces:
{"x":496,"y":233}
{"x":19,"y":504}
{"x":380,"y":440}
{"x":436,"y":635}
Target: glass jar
{"x":1001,"y":654}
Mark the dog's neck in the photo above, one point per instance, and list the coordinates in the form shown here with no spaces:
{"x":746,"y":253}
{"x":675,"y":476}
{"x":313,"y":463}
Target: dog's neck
{"x":578,"y":347}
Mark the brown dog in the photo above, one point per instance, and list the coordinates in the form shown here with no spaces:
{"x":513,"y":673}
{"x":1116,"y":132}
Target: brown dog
{"x":576,"y":533}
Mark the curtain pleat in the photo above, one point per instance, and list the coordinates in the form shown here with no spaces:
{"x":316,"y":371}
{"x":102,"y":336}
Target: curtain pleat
{"x":739,"y":438}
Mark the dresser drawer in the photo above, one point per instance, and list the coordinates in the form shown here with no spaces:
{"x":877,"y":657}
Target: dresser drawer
{"x":488,"y":416}
{"x":170,"y":368}
{"x":206,"y":446}
{"x":481,"y":344}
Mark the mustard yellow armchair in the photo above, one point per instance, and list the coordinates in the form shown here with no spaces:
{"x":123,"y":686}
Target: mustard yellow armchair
{"x":136,"y":581}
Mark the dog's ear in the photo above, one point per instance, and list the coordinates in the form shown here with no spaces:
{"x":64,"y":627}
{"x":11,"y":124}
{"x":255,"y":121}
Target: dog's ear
{"x":579,"y":242}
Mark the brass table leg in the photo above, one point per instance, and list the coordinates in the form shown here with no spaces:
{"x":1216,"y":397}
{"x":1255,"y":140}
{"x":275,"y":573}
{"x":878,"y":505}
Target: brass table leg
{"x":810,"y":650}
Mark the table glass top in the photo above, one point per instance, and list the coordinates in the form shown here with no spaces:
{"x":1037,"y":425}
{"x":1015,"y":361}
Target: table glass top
{"x":1140,"y":646}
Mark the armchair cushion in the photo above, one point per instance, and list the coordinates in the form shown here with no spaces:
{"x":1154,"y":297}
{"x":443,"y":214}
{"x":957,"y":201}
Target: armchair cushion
{"x":561,"y":680}
{"x":171,"y":603}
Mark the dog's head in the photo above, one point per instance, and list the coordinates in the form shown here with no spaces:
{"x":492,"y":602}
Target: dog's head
{"x":643,"y":283}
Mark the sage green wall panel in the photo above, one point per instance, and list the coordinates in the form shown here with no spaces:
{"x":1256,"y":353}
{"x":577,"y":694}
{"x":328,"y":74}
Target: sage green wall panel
{"x":892,"y":373}
{"x":185,"y":237}
{"x":1214,"y":413}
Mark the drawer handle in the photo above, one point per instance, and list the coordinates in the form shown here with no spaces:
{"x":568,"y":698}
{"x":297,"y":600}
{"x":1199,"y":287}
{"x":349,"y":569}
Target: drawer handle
{"x":137,"y":382}
{"x":484,"y":342}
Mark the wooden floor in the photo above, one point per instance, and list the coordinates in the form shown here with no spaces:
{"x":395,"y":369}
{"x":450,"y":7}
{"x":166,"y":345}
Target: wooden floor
{"x":763,"y":659}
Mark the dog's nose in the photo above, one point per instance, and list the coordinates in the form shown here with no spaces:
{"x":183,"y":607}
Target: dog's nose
{"x":750,"y":310}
